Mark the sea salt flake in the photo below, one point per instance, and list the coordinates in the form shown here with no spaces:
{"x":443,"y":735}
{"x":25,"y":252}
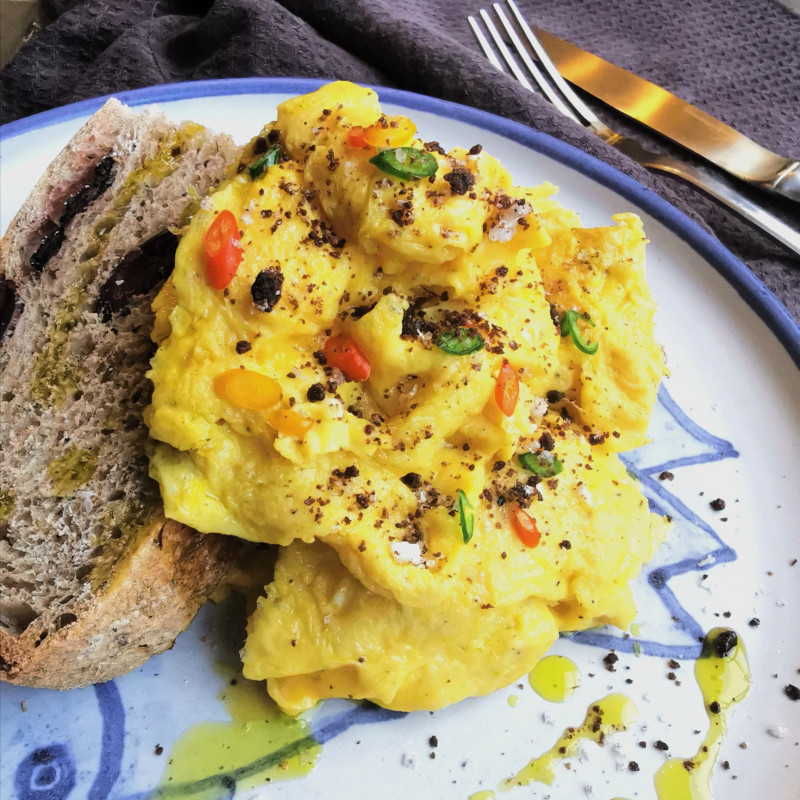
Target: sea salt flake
{"x":506,"y":225}
{"x":407,"y":553}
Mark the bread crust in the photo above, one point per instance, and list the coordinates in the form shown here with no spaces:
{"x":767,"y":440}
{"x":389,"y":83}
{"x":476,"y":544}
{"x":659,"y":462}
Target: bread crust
{"x":152,"y":595}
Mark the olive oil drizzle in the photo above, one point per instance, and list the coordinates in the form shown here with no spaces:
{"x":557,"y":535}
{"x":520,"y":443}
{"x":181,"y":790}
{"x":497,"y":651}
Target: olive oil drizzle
{"x":724,"y":680}
{"x":554,"y":678}
{"x":258,"y":745}
{"x":615,"y":712}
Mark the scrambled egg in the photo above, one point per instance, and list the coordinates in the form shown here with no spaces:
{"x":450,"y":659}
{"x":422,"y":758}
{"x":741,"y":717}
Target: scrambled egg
{"x":435,"y":537}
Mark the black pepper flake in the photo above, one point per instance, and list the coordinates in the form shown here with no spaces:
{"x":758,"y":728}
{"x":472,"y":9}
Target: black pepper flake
{"x":475,"y":149}
{"x":412,"y":479}
{"x":725,"y":642}
{"x":754,"y":623}
{"x":433,"y":741}
{"x":547,"y":441}
{"x":404,"y":214}
{"x":714,"y":707}
{"x":633,"y":766}
{"x":434,"y":147}
{"x":566,"y":544}
{"x":362,"y":500}
{"x":718,"y":504}
{"x":315,"y":393}
{"x":460,"y":179}
{"x":243,"y":346}
{"x":554,"y":396}
{"x":159,"y":750}
{"x":597,"y":438}
{"x":791,"y":691}
{"x":266,"y":289}
{"x":659,"y":745}
{"x":351,"y":471}
{"x":666,"y":475}
{"x":610,"y":660}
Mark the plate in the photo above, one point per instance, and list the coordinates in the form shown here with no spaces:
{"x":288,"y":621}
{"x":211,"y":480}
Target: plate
{"x":727,"y":425}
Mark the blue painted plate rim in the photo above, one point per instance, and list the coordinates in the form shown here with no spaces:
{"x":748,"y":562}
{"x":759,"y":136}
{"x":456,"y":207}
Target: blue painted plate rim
{"x":760,"y":299}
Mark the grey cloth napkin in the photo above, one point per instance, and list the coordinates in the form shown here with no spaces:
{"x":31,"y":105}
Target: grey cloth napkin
{"x":739,"y":60}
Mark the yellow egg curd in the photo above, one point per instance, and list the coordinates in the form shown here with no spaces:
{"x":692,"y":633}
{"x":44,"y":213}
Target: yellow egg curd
{"x":416,"y":382}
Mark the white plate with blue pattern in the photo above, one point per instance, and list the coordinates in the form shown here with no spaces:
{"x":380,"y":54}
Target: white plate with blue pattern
{"x":727,"y":425}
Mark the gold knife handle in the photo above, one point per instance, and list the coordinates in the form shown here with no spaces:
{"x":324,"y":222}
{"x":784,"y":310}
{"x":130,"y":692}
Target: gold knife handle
{"x":788,"y":182}
{"x":733,"y":199}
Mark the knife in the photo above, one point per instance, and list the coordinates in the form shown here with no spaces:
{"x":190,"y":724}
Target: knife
{"x":674,"y":118}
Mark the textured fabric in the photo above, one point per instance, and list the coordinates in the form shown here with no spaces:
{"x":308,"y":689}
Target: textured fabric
{"x":737,"y":59}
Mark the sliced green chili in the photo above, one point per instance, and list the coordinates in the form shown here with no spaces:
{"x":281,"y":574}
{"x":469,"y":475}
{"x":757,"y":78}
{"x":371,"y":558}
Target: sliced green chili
{"x":569,"y":325}
{"x":459,"y":341}
{"x":265,"y":161}
{"x":546,"y":466}
{"x":465,"y":516}
{"x":408,"y":163}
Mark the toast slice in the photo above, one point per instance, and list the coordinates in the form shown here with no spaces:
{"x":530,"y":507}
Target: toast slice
{"x":93,"y":578}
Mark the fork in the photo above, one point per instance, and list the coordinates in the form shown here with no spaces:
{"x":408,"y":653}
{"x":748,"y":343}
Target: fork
{"x":522,"y":38}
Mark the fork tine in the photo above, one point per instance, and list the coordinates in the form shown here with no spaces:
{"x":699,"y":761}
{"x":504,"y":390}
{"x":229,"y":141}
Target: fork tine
{"x":546,"y":89}
{"x":580,"y":108}
{"x":501,"y":46}
{"x":484,"y":43}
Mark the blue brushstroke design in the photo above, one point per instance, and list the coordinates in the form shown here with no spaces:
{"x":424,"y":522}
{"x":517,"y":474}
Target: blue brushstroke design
{"x":46,"y":773}
{"x":112,"y":744}
{"x":665,"y":503}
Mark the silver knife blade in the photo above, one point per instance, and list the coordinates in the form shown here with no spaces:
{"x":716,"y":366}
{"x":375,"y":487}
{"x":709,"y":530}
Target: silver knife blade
{"x":674,"y":118}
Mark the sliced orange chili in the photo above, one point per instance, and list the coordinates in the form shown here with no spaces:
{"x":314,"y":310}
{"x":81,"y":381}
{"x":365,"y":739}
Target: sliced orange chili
{"x":223,"y":249}
{"x":289,"y":422}
{"x":386,"y":132}
{"x":506,"y":390}
{"x":390,"y":132}
{"x":524,"y":526}
{"x":343,"y":353}
{"x":245,"y":388}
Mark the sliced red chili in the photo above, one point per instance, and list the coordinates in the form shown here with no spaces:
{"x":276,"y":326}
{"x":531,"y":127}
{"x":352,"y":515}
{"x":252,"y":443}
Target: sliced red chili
{"x":355,"y":136}
{"x":524,"y":526}
{"x":343,"y":353}
{"x":223,"y":249}
{"x":506,"y":390}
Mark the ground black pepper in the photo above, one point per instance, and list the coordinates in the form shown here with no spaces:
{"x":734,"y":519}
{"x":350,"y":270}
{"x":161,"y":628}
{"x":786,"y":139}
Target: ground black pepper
{"x":412,"y":479}
{"x":266,"y":289}
{"x":725,"y":642}
{"x":610,"y":660}
{"x":315,"y":393}
{"x":460,"y":179}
